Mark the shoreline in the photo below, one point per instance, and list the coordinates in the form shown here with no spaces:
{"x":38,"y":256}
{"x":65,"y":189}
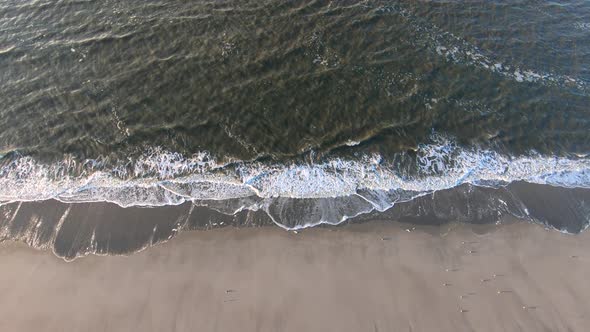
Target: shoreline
{"x":72,"y":230}
{"x":374,"y":276}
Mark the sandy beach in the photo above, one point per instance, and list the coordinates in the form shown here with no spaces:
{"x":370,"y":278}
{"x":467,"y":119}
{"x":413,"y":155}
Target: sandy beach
{"x":368,"y":277}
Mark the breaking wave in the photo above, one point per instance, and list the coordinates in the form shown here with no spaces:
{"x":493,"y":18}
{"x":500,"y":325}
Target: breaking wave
{"x":329,"y":192}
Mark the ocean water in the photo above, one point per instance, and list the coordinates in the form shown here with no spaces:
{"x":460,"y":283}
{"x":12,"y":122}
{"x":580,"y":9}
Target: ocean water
{"x":309,"y":112}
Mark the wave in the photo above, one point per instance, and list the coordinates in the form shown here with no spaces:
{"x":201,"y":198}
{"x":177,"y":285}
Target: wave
{"x":294,"y":195}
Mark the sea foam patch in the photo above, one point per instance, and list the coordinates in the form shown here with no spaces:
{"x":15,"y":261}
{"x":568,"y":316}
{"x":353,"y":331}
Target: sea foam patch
{"x":457,"y":50}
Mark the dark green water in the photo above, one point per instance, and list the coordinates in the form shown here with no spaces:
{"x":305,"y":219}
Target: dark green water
{"x":306,"y":99}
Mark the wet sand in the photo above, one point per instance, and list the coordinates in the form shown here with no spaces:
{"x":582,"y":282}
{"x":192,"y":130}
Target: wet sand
{"x":368,"y":277}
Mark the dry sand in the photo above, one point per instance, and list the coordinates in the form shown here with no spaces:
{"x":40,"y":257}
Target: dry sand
{"x":369,"y":277}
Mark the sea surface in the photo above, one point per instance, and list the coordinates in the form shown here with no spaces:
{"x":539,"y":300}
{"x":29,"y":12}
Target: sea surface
{"x":306,"y":112}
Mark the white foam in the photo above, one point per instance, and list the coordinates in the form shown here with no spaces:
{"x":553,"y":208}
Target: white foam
{"x":164,"y":178}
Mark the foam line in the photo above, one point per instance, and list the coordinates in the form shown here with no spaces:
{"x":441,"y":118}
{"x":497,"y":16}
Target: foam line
{"x":172,"y":181}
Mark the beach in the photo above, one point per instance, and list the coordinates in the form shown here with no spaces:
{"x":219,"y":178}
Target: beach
{"x":374,"y":276}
